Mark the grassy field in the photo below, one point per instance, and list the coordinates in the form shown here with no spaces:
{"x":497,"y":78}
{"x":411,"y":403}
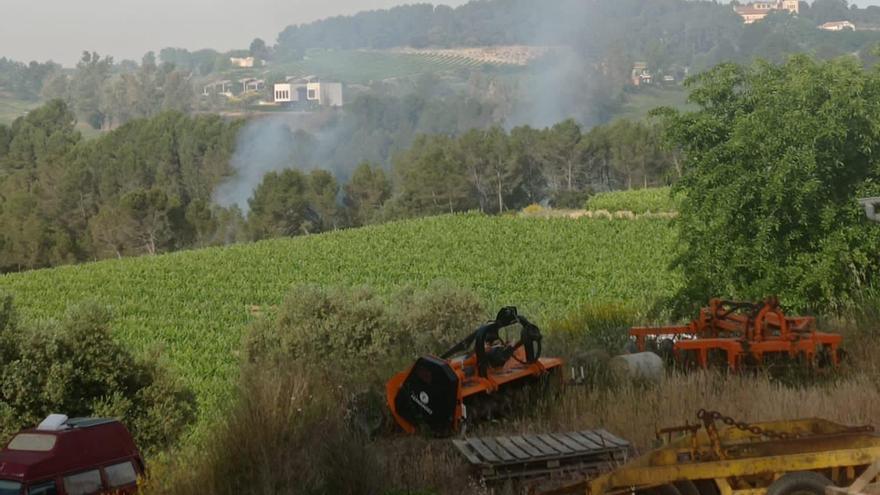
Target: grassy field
{"x":11,"y":108}
{"x":194,"y":305}
{"x":640,"y":102}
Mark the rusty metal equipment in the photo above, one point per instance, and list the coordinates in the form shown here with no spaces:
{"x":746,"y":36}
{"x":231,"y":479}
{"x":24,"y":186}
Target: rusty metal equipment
{"x":721,"y":456}
{"x":478,"y":378}
{"x":738,"y":334}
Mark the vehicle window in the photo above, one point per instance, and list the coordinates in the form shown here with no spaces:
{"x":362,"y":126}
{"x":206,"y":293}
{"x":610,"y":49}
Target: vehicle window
{"x":35,"y":442}
{"x":83,"y":483}
{"x":10,"y":487}
{"x":43,"y":488}
{"x":120,"y":475}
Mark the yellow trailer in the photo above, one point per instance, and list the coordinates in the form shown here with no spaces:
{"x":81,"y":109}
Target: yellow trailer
{"x":720,"y":456}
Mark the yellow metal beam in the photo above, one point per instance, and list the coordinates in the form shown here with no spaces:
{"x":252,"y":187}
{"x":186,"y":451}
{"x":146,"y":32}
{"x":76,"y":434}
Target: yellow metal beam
{"x":648,"y":475}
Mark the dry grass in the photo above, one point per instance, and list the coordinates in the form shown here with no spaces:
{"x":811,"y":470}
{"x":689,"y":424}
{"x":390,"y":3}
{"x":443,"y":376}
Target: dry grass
{"x":287,"y":433}
{"x":635,"y":411}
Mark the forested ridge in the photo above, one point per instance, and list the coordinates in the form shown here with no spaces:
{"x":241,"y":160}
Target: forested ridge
{"x":150,"y":185}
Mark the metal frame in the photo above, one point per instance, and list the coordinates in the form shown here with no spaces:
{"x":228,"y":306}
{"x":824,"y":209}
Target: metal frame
{"x":740,"y":461}
{"x":741,"y":330}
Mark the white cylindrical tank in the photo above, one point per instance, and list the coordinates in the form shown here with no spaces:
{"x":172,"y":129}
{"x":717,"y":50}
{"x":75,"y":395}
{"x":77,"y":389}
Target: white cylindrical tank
{"x":641,"y":366}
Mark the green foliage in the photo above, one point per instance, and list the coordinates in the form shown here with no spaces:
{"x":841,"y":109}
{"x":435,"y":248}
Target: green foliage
{"x":346,"y":328}
{"x":25,"y":81}
{"x":280,"y":206}
{"x":143,"y":188}
{"x":197,"y":302}
{"x":775,"y":159}
{"x":284,"y":433}
{"x":75,"y":367}
{"x":653,"y":200}
{"x":602,"y":327}
{"x":367,"y":190}
{"x":494,"y":170}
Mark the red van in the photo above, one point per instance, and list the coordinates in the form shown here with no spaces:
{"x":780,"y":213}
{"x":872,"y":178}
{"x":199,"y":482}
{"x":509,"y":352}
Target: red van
{"x":80,"y":456}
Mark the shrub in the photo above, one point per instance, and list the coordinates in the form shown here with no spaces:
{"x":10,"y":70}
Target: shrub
{"x":346,"y":328}
{"x":437,"y":318}
{"x":76,"y":368}
{"x":603,"y":327}
{"x":315,"y":325}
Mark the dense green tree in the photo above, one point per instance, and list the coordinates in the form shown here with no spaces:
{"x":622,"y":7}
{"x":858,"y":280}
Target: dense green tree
{"x":87,"y":86}
{"x":775,"y":158}
{"x":323,"y":198}
{"x":76,"y":367}
{"x":259,"y":50}
{"x":129,"y":192}
{"x":367,"y":190}
{"x":432,"y":179}
{"x":280,"y":206}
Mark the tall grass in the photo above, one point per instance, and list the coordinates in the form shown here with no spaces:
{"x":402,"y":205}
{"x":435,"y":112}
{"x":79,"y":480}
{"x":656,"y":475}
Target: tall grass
{"x":287,"y":432}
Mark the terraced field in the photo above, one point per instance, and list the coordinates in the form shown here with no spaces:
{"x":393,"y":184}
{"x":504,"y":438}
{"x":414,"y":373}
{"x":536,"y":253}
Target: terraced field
{"x":196,"y":304}
{"x":364,"y":66}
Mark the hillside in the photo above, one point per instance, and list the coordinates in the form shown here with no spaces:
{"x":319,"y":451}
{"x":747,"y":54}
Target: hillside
{"x":195,"y":304}
{"x":11,"y":108}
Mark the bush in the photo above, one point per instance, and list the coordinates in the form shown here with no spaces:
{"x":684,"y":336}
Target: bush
{"x":603,"y":327}
{"x":347,"y":328}
{"x":75,"y":367}
{"x":437,"y":318}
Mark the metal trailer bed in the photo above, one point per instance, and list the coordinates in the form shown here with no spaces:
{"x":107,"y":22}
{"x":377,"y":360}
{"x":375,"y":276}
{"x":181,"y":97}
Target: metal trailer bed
{"x":740,"y":459}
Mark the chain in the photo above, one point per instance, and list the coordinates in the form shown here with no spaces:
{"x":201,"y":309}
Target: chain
{"x":705,"y":415}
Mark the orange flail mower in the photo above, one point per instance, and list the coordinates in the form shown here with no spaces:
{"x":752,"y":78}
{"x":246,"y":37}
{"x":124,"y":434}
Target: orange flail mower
{"x":476,"y":379}
{"x":737,"y":334}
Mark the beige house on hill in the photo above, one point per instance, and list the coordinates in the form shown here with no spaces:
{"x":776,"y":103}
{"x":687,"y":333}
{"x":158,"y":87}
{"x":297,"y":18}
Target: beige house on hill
{"x":756,"y":11}
{"x":838,"y":26}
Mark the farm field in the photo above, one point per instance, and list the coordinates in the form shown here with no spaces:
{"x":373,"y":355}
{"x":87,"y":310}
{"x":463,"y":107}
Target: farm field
{"x":365,"y":66}
{"x":195,"y":305}
{"x":640,"y":103}
{"x":654,"y":200}
{"x":11,"y":108}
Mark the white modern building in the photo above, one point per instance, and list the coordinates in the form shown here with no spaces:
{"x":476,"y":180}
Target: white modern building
{"x":309,"y":90}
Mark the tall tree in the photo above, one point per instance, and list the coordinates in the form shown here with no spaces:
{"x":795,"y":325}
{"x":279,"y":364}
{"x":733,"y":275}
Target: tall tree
{"x":367,"y":190}
{"x":280,"y":206}
{"x":775,"y":157}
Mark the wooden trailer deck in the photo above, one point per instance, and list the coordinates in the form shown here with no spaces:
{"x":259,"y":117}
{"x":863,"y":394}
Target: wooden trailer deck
{"x":523,"y":457}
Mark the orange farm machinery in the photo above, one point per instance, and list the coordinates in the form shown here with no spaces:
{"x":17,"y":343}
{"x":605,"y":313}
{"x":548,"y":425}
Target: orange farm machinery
{"x":740,"y":334}
{"x":479,"y":378}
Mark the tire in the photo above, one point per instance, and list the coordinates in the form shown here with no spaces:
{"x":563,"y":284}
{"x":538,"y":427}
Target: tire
{"x":663,"y":490}
{"x":707,"y":487}
{"x":799,"y":483}
{"x":687,"y":487}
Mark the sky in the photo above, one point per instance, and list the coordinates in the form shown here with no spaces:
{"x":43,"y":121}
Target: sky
{"x":61,"y":29}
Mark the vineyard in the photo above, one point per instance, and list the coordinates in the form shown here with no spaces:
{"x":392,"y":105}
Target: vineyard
{"x":364,"y":66}
{"x":194,"y":305}
{"x":638,"y":201}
